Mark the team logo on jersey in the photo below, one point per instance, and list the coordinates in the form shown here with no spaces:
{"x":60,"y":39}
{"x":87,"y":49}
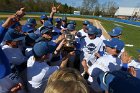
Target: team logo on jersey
{"x":90,"y":48}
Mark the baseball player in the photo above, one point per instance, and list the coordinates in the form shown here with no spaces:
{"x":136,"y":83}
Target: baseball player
{"x":100,"y":35}
{"x":38,"y":71}
{"x":109,"y":62}
{"x":119,"y":82}
{"x":44,"y":18}
{"x":116,"y":33}
{"x":83,"y":31}
{"x":8,"y":78}
{"x":91,"y":45}
{"x":129,"y":62}
{"x":64,"y":22}
{"x":57,"y":29}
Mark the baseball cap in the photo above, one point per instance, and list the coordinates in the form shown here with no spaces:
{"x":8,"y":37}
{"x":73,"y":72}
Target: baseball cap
{"x":31,"y":37}
{"x":43,"y":17}
{"x":116,"y":31}
{"x":79,"y":34}
{"x":92,"y":30}
{"x":86,"y":22}
{"x":15,"y":25}
{"x":31,"y":21}
{"x":46,"y":30}
{"x":72,"y":22}
{"x":114,"y":43}
{"x":58,"y":20}
{"x":64,"y":18}
{"x":99,"y":32}
{"x":12,"y":36}
{"x":88,"y":26}
{"x":48,"y":24}
{"x":42,"y":48}
{"x":70,"y":27}
{"x":27,"y":28}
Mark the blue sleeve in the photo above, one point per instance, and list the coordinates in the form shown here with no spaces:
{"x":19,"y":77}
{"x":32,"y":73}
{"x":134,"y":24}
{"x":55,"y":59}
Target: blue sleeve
{"x":96,"y":72}
{"x":4,"y":65}
{"x":2,"y":33}
{"x":51,"y":20}
{"x":124,"y":67}
{"x":101,"y":53}
{"x":77,"y":45}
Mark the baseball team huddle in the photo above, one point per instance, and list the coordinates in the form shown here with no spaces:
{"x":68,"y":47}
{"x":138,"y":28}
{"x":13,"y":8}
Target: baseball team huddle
{"x":55,"y":58}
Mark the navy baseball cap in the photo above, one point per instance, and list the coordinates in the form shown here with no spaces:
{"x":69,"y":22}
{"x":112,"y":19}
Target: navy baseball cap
{"x":27,"y":28}
{"x":114,"y":43}
{"x":70,"y":27}
{"x":31,"y":38}
{"x":58,"y":20}
{"x":79,"y":34}
{"x":31,"y":21}
{"x":48,"y":24}
{"x":12,"y":36}
{"x":42,"y":48}
{"x":64,"y":18}
{"x":92,"y":30}
{"x":44,"y":17}
{"x":15,"y":25}
{"x":99,"y":32}
{"x":72,"y":22}
{"x":116,"y":31}
{"x":89,"y":25}
{"x":46,"y":30}
{"x":86,"y":22}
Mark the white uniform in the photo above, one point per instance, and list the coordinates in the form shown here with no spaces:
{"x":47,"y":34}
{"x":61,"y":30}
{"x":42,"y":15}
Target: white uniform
{"x":103,"y":64}
{"x":90,"y":47}
{"x":38,"y":74}
{"x":102,"y":37}
{"x":83,"y":33}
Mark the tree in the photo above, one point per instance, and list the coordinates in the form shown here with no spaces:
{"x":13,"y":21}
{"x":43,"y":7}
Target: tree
{"x":109,"y":8}
{"x":97,"y":10}
{"x":88,"y":6}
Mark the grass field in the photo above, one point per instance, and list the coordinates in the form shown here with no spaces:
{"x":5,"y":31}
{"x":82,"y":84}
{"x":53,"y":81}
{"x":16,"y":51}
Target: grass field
{"x":131,"y":34}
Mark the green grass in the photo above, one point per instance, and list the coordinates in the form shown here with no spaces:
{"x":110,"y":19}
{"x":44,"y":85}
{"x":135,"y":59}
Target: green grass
{"x":131,"y":35}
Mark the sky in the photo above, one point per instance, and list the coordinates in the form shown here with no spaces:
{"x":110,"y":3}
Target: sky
{"x":121,"y":3}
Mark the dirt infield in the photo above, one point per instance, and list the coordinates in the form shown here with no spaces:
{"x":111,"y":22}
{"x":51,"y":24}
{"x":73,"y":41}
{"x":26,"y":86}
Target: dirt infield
{"x":95,"y":22}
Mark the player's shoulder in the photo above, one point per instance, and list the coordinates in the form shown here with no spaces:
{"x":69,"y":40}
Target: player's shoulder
{"x":98,"y":39}
{"x":105,"y":58}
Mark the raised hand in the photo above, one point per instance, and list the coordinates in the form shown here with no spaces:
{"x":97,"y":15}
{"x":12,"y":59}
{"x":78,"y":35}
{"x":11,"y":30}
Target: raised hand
{"x":132,"y":71}
{"x":54,"y":9}
{"x":14,"y":18}
{"x":20,"y":13}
